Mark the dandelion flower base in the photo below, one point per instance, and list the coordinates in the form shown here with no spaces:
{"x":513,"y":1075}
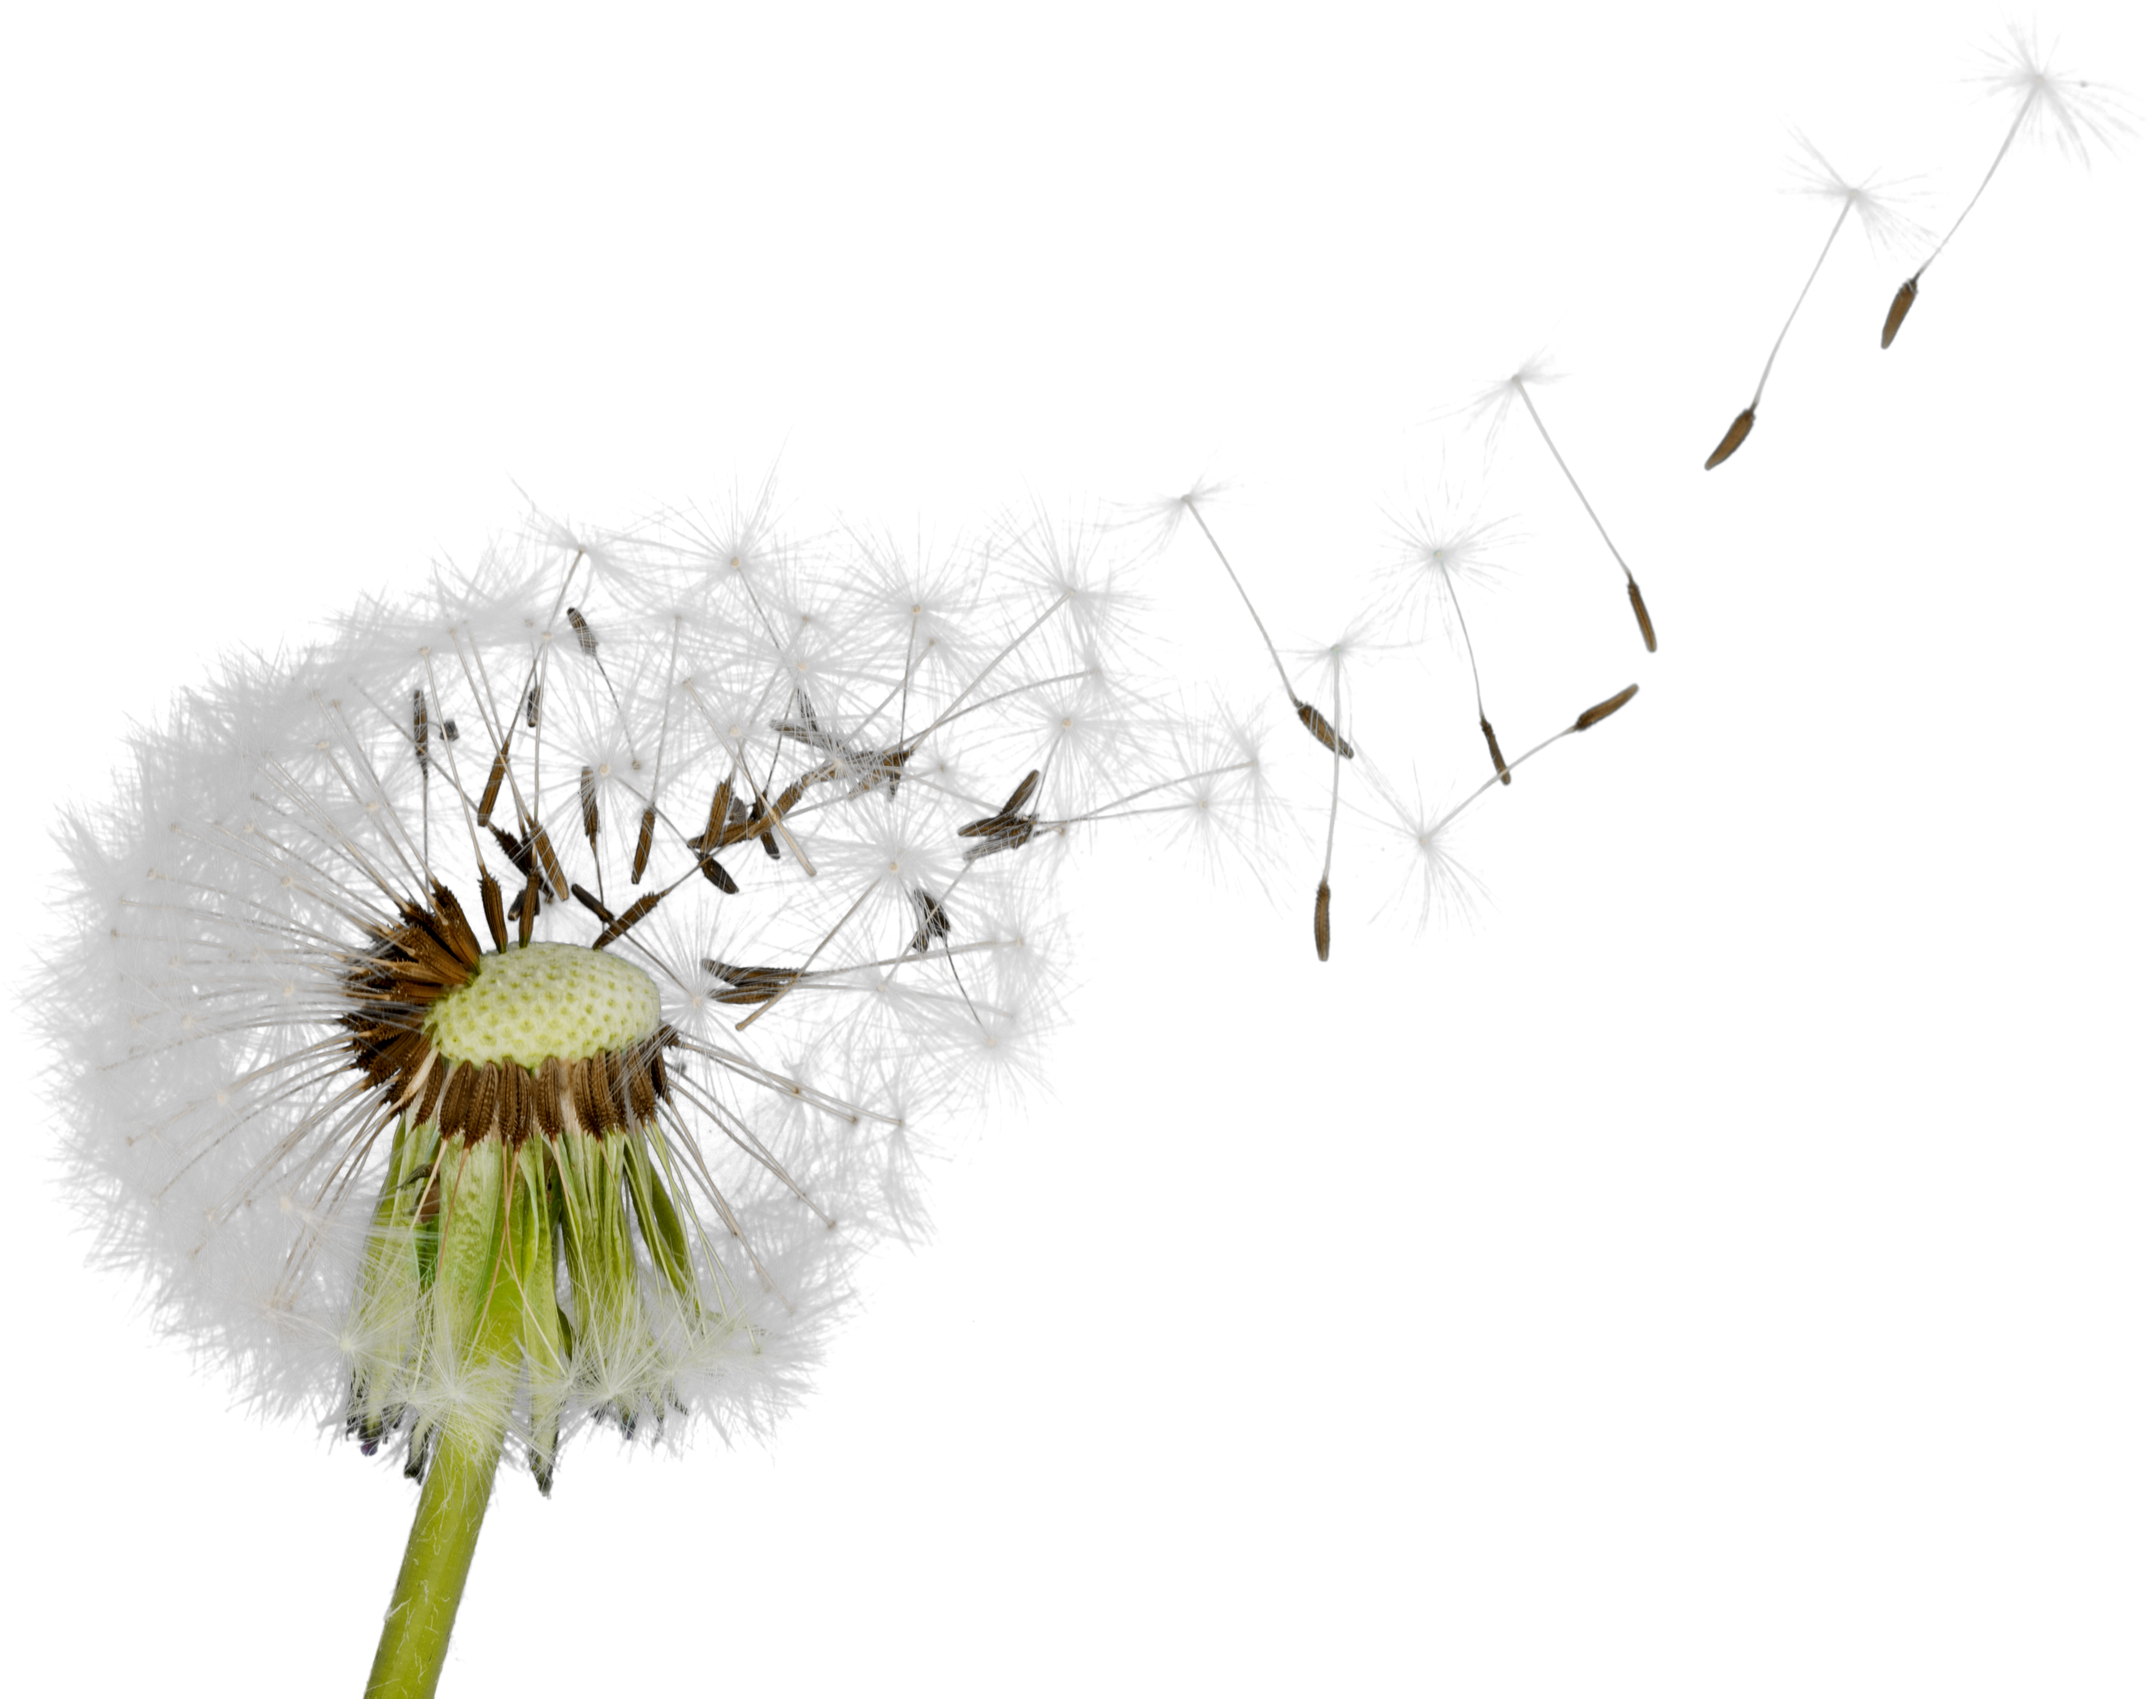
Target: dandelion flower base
{"x":545,"y":1000}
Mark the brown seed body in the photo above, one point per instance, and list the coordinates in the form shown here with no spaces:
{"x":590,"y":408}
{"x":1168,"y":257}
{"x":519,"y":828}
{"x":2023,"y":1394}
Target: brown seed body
{"x":546,"y":1096}
{"x":527,"y":917}
{"x":1647,"y":627}
{"x":1320,"y":729}
{"x":1496,"y":754}
{"x":1899,"y":313}
{"x":492,"y":792}
{"x":1737,"y":436}
{"x":489,"y":891}
{"x":1597,"y":713}
{"x":455,"y":1101}
{"x":642,"y":845}
{"x":1322,"y":921}
{"x":479,"y":1115}
{"x":628,"y":917}
{"x":429,"y":1095}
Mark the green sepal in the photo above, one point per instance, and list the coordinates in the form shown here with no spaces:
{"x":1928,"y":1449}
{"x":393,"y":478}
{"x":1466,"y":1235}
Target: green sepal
{"x":533,"y":1229}
{"x":368,"y":1415}
{"x":655,"y":1214}
{"x":425,"y":1250}
{"x":468,"y":1269}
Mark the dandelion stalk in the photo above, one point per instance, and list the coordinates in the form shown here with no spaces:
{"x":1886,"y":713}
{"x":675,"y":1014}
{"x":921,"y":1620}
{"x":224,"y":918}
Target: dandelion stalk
{"x":437,"y":1561}
{"x":494,"y":1242}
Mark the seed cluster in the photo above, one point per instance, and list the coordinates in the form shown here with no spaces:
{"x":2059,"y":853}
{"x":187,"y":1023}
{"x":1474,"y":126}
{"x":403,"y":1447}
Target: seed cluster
{"x":429,"y":966}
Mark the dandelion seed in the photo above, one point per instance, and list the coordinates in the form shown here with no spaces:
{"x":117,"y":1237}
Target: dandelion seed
{"x":1322,"y":921}
{"x":643,"y":840}
{"x":1492,"y":399}
{"x":1900,"y":305}
{"x":1432,"y":554}
{"x":1880,"y":217}
{"x":2052,"y":106}
{"x":1600,"y":710}
{"x":1494,"y":750}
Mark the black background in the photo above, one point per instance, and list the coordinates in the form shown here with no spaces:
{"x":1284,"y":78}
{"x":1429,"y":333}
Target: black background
{"x":1615,"y":1256}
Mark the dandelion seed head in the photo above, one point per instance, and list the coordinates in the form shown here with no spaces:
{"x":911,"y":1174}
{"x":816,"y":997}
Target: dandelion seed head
{"x":660,"y":963}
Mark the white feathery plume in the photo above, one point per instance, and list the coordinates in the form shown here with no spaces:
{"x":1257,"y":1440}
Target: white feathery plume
{"x":2058,"y":108}
{"x":1441,"y":546}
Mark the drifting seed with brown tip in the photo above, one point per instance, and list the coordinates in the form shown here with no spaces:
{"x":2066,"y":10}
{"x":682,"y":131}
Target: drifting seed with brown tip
{"x":1899,"y":311}
{"x":1647,"y":627}
{"x":583,"y":634}
{"x":1320,"y":729}
{"x":1496,"y":754}
{"x":642,"y":844}
{"x":1739,"y":433}
{"x":1597,"y":713}
{"x":1322,"y":921}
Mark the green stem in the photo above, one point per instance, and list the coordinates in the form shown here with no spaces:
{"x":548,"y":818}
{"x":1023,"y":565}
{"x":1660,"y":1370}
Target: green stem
{"x":478,"y":1317}
{"x":429,"y":1587}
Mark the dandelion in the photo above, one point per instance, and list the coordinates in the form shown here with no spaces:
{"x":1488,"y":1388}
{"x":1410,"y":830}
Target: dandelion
{"x":2052,"y":106}
{"x":516,"y":1012}
{"x":1882,"y":220}
{"x":1492,"y":401}
{"x":506,"y":1017}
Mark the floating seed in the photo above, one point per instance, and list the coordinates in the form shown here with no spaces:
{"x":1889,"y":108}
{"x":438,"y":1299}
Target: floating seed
{"x":1736,"y":435}
{"x":1494,"y":749}
{"x":1600,"y":710}
{"x":1643,"y":618}
{"x":583,"y":634}
{"x":933,"y":918}
{"x":1322,"y":921}
{"x":642,"y":845}
{"x":1900,"y":305}
{"x":1320,"y":728}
